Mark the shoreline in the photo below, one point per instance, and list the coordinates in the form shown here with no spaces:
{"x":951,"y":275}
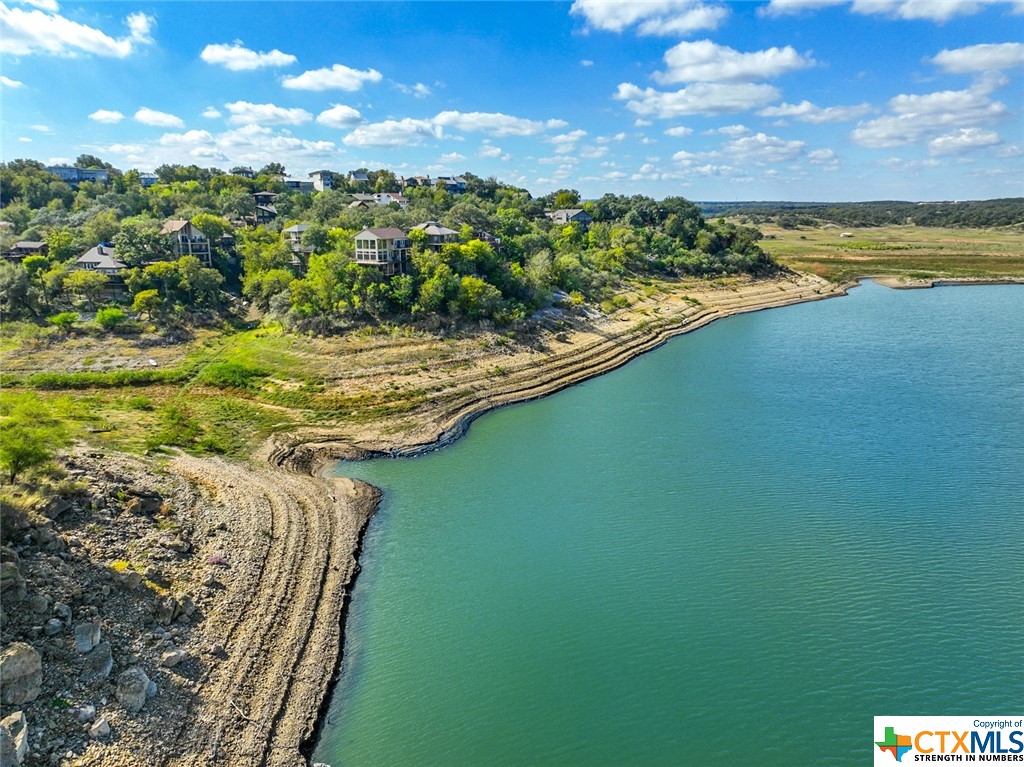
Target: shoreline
{"x":291,"y":469}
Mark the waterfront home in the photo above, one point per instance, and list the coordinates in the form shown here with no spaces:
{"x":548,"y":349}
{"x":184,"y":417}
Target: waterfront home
{"x":386,"y":249}
{"x":417,"y":181}
{"x":453,"y":184}
{"x":101,"y":259}
{"x":265,"y":210}
{"x":25,"y":248}
{"x":299,"y":184}
{"x":358,"y":177}
{"x":569,"y":216}
{"x":386,"y":198}
{"x":74,"y":176}
{"x":322,"y":180}
{"x":148,"y":179}
{"x":437,"y":236}
{"x":187,"y":240}
{"x":243,"y":170}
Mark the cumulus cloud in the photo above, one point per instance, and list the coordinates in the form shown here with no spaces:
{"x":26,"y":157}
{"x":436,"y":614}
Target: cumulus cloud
{"x":148,"y":116}
{"x":654,"y":17}
{"x":566,"y":142}
{"x":211,"y":113}
{"x":761,"y":148}
{"x":916,"y":117}
{"x":489,"y":150}
{"x":586,"y":63}
{"x":29,"y":32}
{"x":807,"y":112}
{"x":238,"y":58}
{"x":394,"y":133}
{"x":696,"y":99}
{"x":246,"y":145}
{"x":339,"y":116}
{"x":108,"y":116}
{"x":246,"y":113}
{"x":339,"y":77}
{"x":9,"y":83}
{"x":706,"y":61}
{"x":495,"y":123}
{"x":680,"y":131}
{"x":980,"y":58}
{"x":419,"y":90}
{"x":728,"y":130}
{"x":962,"y":141}
{"x":931,"y":10}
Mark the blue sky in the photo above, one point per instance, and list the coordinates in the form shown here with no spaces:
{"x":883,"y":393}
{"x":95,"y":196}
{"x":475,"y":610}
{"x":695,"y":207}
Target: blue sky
{"x":779,"y":100}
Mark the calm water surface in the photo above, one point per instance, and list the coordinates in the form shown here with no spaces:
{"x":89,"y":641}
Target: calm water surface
{"x":735,"y":550}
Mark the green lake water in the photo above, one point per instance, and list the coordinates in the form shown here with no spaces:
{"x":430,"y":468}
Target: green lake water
{"x":735,"y":550}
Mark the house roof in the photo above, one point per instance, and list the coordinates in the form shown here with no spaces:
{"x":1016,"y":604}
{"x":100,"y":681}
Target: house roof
{"x":322,"y":173}
{"x":102,"y":256}
{"x":435,"y":229}
{"x":359,"y":176}
{"x":299,"y":228}
{"x":362,"y":196}
{"x":264,"y":194}
{"x":386,"y":233}
{"x":359,"y":204}
{"x":174,"y":225}
{"x":27,"y":244}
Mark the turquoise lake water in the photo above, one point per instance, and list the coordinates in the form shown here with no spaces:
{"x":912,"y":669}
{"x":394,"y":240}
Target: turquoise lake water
{"x":735,"y":550}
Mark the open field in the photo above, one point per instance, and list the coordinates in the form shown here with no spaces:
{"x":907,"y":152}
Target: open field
{"x":905,"y":251}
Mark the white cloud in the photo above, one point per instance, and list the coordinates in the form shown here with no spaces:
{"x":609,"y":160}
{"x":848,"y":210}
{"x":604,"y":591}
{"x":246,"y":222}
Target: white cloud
{"x":821,"y":155}
{"x":620,"y":136}
{"x":419,"y":90}
{"x":566,"y":142}
{"x":339,"y":77}
{"x":109,"y":116}
{"x":705,"y":61}
{"x":932,"y":10}
{"x":696,"y":99}
{"x":188,"y":138}
{"x":404,"y":132}
{"x":495,"y":123}
{"x":586,"y":63}
{"x":451,"y":157}
{"x":679,"y":131}
{"x":489,"y":150}
{"x":46,"y":5}
{"x":642,"y":123}
{"x":729,"y":130}
{"x":963,"y":141}
{"x":36,"y":31}
{"x":807,"y":112}
{"x":981,"y":58}
{"x":211,"y":113}
{"x":238,"y":58}
{"x":246,"y":113}
{"x":148,"y":116}
{"x":42,"y":128}
{"x":246,"y":145}
{"x":760,"y":149}
{"x":654,"y":17}
{"x":24,"y":139}
{"x":916,"y":117}
{"x":339,"y":116}
{"x":9,"y":83}
{"x":593,"y":152}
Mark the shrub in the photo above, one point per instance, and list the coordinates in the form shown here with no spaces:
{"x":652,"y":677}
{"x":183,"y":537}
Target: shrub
{"x":110,"y":317}
{"x":230,"y":375}
{"x":63,"y":320}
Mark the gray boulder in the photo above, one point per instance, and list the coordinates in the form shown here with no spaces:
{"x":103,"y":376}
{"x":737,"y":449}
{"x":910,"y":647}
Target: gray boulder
{"x":98,"y":663}
{"x":99,"y":729}
{"x":13,"y":739}
{"x":132,"y":689}
{"x":87,"y":636}
{"x":21,"y":673}
{"x":53,"y":627}
{"x":172,"y":658}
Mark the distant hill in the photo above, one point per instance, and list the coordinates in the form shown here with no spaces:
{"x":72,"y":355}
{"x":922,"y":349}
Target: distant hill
{"x":963,"y":214}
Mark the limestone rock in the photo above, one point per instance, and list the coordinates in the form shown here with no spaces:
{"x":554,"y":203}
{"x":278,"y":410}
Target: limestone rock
{"x":132,"y":689}
{"x":53,"y":627}
{"x":21,"y":673}
{"x":62,"y":611}
{"x":172,"y":658}
{"x":87,"y":636}
{"x":39,"y":604}
{"x":167,"y":610}
{"x":13,"y":739}
{"x":86,"y":713}
{"x":98,"y":663}
{"x":99,"y":729}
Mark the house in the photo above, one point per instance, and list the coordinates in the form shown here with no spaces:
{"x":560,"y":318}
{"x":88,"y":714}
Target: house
{"x":25,"y":248}
{"x":101,"y":259}
{"x":299,"y":184}
{"x":187,"y":240}
{"x":293,"y":239}
{"x":386,"y":198}
{"x":453,"y":184}
{"x":386,"y":249}
{"x":361,"y":204}
{"x":358,"y":177}
{"x":418,"y":181}
{"x":437,"y":236}
{"x":243,"y":171}
{"x":75,"y":176}
{"x":322,"y":180}
{"x":148,"y":179}
{"x":265,"y":210}
{"x":569,"y":216}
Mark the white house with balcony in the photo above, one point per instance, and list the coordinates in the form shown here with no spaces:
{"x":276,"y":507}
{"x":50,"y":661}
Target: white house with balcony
{"x":187,"y":240}
{"x":386,"y":249}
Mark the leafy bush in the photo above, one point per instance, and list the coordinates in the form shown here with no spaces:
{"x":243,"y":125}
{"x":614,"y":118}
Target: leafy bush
{"x":63,"y":320}
{"x":230,"y":375}
{"x":110,"y":317}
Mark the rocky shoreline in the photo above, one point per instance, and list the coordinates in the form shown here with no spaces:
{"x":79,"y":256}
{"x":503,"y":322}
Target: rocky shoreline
{"x":191,"y":613}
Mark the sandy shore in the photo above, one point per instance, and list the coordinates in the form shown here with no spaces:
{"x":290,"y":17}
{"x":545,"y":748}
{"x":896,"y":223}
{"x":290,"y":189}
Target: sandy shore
{"x":299,"y":533}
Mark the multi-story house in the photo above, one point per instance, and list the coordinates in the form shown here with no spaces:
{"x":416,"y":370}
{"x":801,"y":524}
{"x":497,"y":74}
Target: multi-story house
{"x":569,"y":216}
{"x":299,"y":184}
{"x":322,"y":180}
{"x":265,"y":210}
{"x":187,"y":240}
{"x":437,"y":236}
{"x":386,"y":249}
{"x":75,"y":176}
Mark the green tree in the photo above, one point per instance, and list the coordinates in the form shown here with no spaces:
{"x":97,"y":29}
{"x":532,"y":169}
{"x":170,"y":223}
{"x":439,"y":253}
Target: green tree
{"x":147,"y":302}
{"x":61,"y":243}
{"x":86,"y":284}
{"x":110,"y":317}
{"x":64,"y":320}
{"x":476,"y":298}
{"x":24,"y":447}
